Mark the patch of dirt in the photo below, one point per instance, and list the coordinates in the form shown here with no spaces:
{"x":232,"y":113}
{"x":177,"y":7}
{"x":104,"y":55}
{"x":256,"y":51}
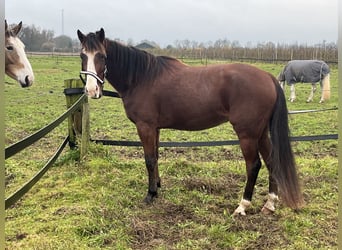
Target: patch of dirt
{"x":230,"y":184}
{"x":17,"y":237}
{"x":270,"y":231}
{"x":9,"y":177}
{"x":155,"y":228}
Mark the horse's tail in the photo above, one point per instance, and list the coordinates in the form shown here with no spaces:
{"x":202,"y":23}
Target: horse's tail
{"x":281,"y":78}
{"x":283,"y":167}
{"x":326,"y":87}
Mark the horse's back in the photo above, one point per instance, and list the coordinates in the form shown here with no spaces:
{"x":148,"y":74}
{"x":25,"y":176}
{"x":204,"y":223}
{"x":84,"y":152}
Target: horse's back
{"x":306,"y":71}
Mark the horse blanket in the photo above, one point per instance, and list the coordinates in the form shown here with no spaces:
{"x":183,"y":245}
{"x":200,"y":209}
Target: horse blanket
{"x":305,"y":71}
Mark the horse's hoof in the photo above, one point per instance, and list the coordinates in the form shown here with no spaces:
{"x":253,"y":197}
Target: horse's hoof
{"x":150,"y":197}
{"x":238,"y":212}
{"x":267,"y":211}
{"x":241,"y":210}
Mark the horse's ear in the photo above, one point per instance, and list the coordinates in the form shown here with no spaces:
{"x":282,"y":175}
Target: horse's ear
{"x":17,"y":28}
{"x":101,"y":35}
{"x":6,"y":26}
{"x":81,"y":36}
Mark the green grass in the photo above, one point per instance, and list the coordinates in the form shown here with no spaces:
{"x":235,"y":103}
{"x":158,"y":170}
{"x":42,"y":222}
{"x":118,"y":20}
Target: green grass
{"x":96,"y":203}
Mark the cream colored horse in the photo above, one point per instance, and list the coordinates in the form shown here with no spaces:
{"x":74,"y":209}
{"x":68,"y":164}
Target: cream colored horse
{"x":17,"y":66}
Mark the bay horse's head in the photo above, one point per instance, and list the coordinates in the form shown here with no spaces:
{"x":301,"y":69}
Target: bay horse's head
{"x":17,"y":65}
{"x":93,"y":56}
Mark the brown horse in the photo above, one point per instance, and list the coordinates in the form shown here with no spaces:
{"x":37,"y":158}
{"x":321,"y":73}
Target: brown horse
{"x":17,"y":65}
{"x":161,"y":92}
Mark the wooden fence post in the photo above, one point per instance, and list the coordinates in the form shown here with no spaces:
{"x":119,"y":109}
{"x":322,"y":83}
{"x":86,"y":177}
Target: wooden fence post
{"x":85,"y":129}
{"x":78,"y":122}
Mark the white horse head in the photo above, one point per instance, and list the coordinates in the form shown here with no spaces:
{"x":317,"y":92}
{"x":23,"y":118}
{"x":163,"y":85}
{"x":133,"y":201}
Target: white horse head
{"x":17,"y":65}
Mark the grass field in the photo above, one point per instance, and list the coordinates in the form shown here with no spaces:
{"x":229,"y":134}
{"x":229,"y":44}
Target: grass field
{"x":96,"y":202}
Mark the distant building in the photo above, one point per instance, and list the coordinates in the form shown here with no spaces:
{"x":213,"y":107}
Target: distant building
{"x":145,"y":45}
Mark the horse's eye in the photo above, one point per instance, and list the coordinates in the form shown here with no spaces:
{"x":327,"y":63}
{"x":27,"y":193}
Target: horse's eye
{"x":9,"y":47}
{"x":101,"y":57}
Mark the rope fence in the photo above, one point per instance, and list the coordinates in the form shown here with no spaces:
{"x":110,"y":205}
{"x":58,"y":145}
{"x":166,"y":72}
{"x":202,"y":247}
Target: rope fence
{"x":79,"y":103}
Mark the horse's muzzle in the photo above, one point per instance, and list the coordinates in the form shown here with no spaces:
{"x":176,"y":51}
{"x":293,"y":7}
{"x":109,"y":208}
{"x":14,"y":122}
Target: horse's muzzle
{"x":95,"y":94}
{"x":27,"y":83}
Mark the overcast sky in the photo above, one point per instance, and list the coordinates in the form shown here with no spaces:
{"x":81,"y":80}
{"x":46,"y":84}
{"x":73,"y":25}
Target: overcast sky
{"x":165,"y":21}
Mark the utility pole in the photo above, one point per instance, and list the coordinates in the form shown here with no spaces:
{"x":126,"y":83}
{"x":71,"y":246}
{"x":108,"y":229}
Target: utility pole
{"x":62,"y":21}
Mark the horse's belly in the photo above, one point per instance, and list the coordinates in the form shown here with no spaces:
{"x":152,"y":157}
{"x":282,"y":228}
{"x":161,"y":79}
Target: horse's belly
{"x":191,"y":120}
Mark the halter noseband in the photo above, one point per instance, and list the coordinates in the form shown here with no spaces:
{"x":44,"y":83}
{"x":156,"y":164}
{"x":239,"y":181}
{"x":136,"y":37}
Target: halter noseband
{"x":93,"y":75}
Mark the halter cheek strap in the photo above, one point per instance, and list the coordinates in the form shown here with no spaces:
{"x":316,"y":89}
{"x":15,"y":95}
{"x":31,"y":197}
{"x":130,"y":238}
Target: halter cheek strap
{"x":90,"y":74}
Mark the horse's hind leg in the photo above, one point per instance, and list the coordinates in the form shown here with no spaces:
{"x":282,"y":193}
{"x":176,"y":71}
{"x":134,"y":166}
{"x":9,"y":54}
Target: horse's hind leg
{"x":313,"y":90}
{"x":149,"y":138}
{"x":265,"y":151}
{"x":249,"y":149}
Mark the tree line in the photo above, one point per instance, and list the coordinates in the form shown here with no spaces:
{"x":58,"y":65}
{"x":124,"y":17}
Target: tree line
{"x":41,"y":40}
{"x":268,"y":51}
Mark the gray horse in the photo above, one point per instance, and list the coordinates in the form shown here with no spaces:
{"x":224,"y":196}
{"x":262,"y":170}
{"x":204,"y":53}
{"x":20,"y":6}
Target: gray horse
{"x":306,"y":71}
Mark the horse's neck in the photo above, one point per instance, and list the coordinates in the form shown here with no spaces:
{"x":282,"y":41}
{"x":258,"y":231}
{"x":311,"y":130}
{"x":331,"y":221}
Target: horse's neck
{"x":113,"y":73}
{"x":127,"y":67}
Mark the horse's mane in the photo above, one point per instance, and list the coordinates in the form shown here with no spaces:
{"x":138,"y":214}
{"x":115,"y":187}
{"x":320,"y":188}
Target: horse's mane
{"x":133,"y":66}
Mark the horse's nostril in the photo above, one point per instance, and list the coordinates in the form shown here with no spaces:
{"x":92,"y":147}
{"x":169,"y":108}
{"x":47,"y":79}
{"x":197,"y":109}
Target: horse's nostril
{"x":27,"y":80}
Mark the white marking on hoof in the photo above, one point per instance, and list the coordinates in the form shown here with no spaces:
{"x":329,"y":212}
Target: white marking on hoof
{"x":269,"y":206}
{"x":241,"y":210}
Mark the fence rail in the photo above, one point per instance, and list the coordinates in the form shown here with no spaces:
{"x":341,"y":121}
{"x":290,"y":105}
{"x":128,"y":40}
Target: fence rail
{"x":29,"y":140}
{"x":28,"y":185}
{"x":20,"y":145}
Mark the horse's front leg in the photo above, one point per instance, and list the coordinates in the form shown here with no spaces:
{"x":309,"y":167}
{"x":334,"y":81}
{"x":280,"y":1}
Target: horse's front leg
{"x":313,"y":90}
{"x":149,"y":137}
{"x":292,"y":93}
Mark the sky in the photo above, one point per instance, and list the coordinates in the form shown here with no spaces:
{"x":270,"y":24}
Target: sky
{"x":166,"y":21}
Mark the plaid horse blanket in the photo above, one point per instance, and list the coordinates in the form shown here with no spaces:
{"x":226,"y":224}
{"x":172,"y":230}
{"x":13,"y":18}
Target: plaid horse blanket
{"x":305,"y":71}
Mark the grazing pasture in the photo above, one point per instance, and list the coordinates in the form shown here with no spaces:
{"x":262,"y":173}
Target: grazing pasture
{"x":96,"y":203}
